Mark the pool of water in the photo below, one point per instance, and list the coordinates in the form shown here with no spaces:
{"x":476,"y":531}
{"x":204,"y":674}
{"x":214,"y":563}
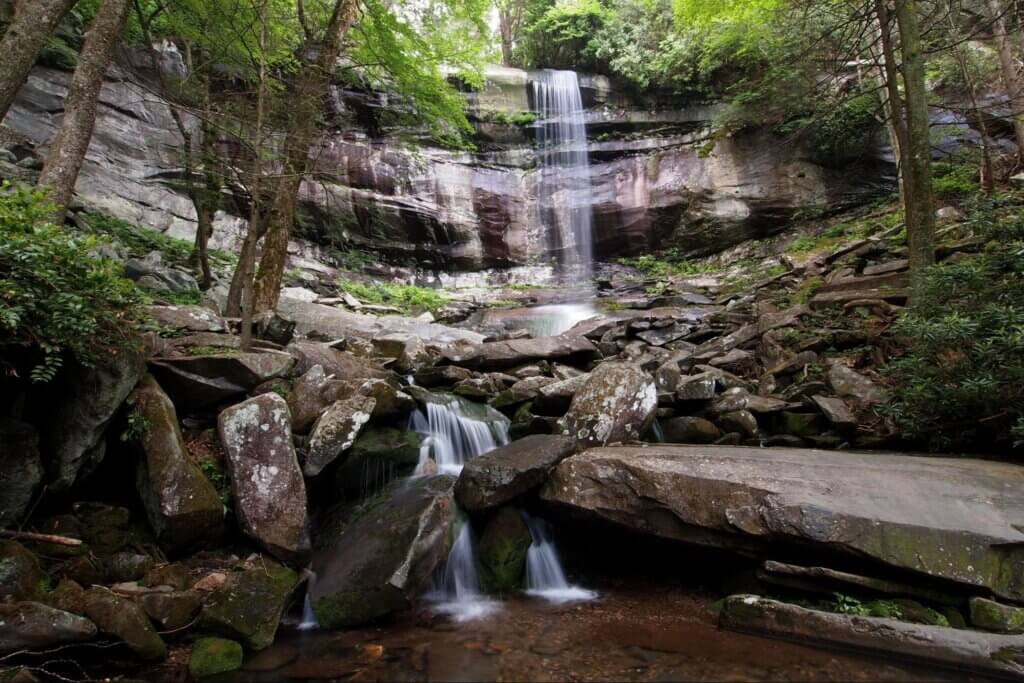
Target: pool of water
{"x":654,"y":635}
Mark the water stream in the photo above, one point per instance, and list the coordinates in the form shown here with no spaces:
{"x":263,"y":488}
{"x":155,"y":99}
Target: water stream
{"x":545,"y":577}
{"x":452,"y":435}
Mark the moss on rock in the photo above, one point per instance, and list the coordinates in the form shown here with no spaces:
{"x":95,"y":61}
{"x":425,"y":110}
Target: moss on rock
{"x":212,"y":656}
{"x":502,"y":552}
{"x":249,"y":605}
{"x":993,"y":616}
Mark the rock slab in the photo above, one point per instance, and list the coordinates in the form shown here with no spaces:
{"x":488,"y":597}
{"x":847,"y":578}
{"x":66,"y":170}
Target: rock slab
{"x":507,"y":473}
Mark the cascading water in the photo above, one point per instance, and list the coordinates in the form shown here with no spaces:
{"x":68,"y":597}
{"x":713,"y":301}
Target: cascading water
{"x":452,"y":436}
{"x":565,"y":197}
{"x":545,"y":577}
{"x":457,"y":588}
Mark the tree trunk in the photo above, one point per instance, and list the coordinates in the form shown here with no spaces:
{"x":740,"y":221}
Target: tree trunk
{"x":505,"y":29}
{"x":34,"y":22}
{"x":1011,"y":76}
{"x":305,"y":127}
{"x":68,"y":148}
{"x":891,"y":101}
{"x":920,"y":199}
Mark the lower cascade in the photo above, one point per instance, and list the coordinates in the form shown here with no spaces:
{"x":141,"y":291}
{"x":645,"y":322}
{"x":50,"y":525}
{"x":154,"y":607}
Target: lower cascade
{"x":545,"y":577}
{"x":452,"y":436}
{"x":457,"y":587}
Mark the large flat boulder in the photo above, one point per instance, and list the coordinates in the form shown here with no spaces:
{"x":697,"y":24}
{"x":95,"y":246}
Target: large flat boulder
{"x":508,"y":472}
{"x":507,"y":354}
{"x":32,"y":625}
{"x":204,"y":381}
{"x":951,"y":518}
{"x":377,"y":559}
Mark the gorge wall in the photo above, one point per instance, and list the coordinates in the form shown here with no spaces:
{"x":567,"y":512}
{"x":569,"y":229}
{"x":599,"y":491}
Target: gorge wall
{"x":655,"y":184}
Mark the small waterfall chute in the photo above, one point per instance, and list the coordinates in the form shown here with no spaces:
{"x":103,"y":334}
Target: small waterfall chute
{"x":457,"y":588}
{"x":545,"y":577}
{"x":452,"y":434}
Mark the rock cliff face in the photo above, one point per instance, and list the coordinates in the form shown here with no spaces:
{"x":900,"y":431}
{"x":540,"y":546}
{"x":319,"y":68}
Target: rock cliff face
{"x":652,"y":183}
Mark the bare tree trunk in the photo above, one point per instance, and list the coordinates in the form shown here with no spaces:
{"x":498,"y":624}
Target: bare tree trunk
{"x":34,"y":22}
{"x":1011,"y":76}
{"x":920,"y":202}
{"x":305,"y":128}
{"x":891,"y":102}
{"x":68,"y":148}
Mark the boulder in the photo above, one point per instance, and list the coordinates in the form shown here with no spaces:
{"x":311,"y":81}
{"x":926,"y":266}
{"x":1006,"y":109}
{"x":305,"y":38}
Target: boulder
{"x":506,"y":473}
{"x":962,"y":650}
{"x":441,"y":376}
{"x":738,"y":398}
{"x":522,"y":391}
{"x":389,"y":400}
{"x":340,"y":364}
{"x":555,"y":398}
{"x":247,"y":605}
{"x":851,"y":384}
{"x":377,"y":559}
{"x":187,"y":318}
{"x":269,"y":492}
{"x":306,"y":400}
{"x":35,"y":626}
{"x":77,"y":418}
{"x":378,"y":456}
{"x":617,"y":403}
{"x":836,"y":412}
{"x":335,"y":432}
{"x":21,"y":577}
{"x":172,"y":610}
{"x":271,"y":327}
{"x":21,"y":469}
{"x":125,"y":566}
{"x":993,"y":616}
{"x":694,"y":430}
{"x":956,"y":519}
{"x":502,"y":550}
{"x":212,"y":656}
{"x":740,"y":422}
{"x":150,"y":273}
{"x":125,"y":621}
{"x":201,"y":382}
{"x":701,"y":387}
{"x":508,"y":354}
{"x":182,"y":506}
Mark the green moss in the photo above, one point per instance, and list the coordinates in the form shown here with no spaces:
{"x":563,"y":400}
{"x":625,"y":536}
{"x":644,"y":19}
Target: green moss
{"x":993,"y":616}
{"x":249,"y":605}
{"x":407,"y":298}
{"x":340,"y":610}
{"x":211,"y":656}
{"x":502,"y":552}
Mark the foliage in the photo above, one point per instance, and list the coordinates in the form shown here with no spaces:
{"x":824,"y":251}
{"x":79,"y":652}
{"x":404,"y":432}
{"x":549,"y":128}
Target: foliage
{"x":407,"y":298}
{"x":519,"y":118}
{"x":670,"y":264}
{"x":962,"y":378}
{"x":55,"y":296}
{"x":956,"y":177}
{"x":561,"y":36}
{"x":139,"y":241}
{"x":136,"y":427}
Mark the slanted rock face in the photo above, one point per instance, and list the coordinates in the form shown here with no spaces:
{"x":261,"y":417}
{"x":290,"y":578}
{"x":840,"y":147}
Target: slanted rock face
{"x":183,"y":507}
{"x":33,"y":626}
{"x":379,"y":455}
{"x":124,"y":620}
{"x":189,"y":318}
{"x":269,"y":492}
{"x":508,"y":354}
{"x":508,"y":472}
{"x":502,"y":551}
{"x":248,"y":604}
{"x":954,"y":519}
{"x":336,"y":431}
{"x":617,"y":403}
{"x":377,"y":559}
{"x":21,"y":469}
{"x":204,"y":381}
{"x":306,"y":400}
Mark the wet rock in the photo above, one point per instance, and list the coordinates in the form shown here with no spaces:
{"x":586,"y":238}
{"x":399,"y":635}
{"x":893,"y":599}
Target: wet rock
{"x":306,"y":400}
{"x":182,"y":506}
{"x":740,"y":399}
{"x":203,"y":381}
{"x":212,"y":656}
{"x":269,"y":492}
{"x":617,"y":403}
{"x":741,"y":422}
{"x":389,"y":401}
{"x":501,"y":552}
{"x":950,"y":518}
{"x":993,"y":616}
{"x":700,"y":387}
{"x":21,"y":469}
{"x":851,"y":384}
{"x":68,"y":596}
{"x":335,"y":432}
{"x":1000,"y":654}
{"x":378,"y":558}
{"x":506,"y":473}
{"x":827,"y":581}
{"x":175,"y":575}
{"x":126,"y":566}
{"x":479,"y":388}
{"x":525,"y":423}
{"x":173,"y":610}
{"x":695,"y":430}
{"x":378,"y":456}
{"x":124,"y":620}
{"x":35,"y":626}
{"x":248,"y":605}
{"x":88,"y":399}
{"x":508,"y":354}
{"x":187,"y":318}
{"x":836,"y":412}
{"x":21,"y":577}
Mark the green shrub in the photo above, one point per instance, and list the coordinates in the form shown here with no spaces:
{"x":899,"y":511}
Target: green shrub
{"x":961,"y":382}
{"x":140,"y":241}
{"x":55,"y":297}
{"x":956,"y":178}
{"x":407,"y":298}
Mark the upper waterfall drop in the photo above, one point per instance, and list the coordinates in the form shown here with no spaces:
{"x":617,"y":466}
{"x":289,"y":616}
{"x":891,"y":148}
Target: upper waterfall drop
{"x":565,"y":197}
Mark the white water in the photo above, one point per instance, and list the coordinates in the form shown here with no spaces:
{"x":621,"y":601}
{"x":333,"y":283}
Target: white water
{"x":545,"y":577}
{"x":564,"y":194}
{"x":309,"y":621}
{"x":451,"y":437}
{"x":457,"y":588}
{"x":549,"y":321}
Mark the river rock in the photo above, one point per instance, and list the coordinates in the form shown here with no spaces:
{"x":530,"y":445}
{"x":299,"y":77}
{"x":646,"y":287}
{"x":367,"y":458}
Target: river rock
{"x":695,"y":430}
{"x":182,"y":506}
{"x":306,"y":400}
{"x":508,"y":354}
{"x":21,"y":469}
{"x":836,"y":412}
{"x":124,"y":620}
{"x":993,"y":616}
{"x":335,"y":432}
{"x":389,"y":400}
{"x":187,"y":318}
{"x":617,"y":403}
{"x":502,"y":550}
{"x":339,"y":364}
{"x":948,"y":518}
{"x":269,"y":492}
{"x":35,"y":626}
{"x":172,"y":610}
{"x":851,"y":384}
{"x":555,"y":398}
{"x":21,"y":577}
{"x":522,"y":391}
{"x":201,"y":382}
{"x":506,"y":473}
{"x":378,"y":558}
{"x":72,"y":443}
{"x":248,"y":604}
{"x":212,"y":656}
{"x":379,"y":455}
{"x":441,"y":376}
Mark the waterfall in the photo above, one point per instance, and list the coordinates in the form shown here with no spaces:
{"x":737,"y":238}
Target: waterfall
{"x":452,"y":435}
{"x":545,"y":577}
{"x":456,"y":587}
{"x":564,"y":190}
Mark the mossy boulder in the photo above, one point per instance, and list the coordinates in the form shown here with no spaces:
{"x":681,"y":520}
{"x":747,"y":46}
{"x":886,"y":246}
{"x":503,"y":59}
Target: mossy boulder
{"x":377,"y":558}
{"x":124,"y":620}
{"x":249,"y":605}
{"x":21,"y":577}
{"x":212,"y":656}
{"x":800,"y":424}
{"x":32,"y":625}
{"x":502,"y":551}
{"x":172,"y":610}
{"x":378,"y":456}
{"x":993,"y":616}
